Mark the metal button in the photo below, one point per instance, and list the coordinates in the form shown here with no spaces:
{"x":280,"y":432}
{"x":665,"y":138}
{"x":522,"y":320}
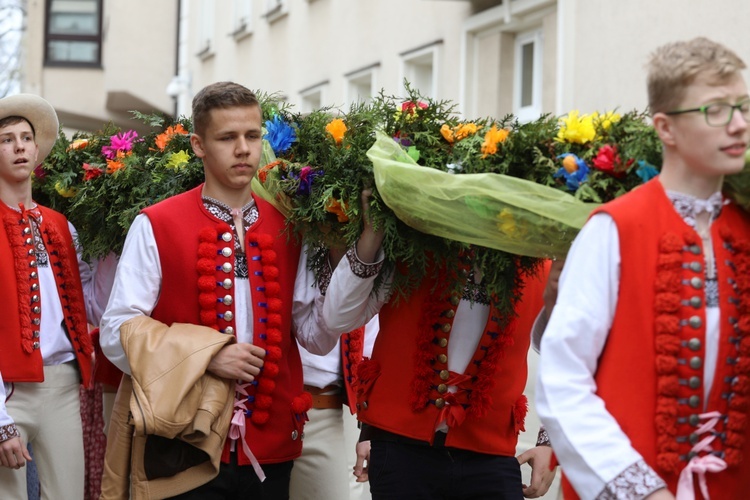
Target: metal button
{"x":229,"y":330}
{"x":694,"y":249}
{"x":35,"y":287}
{"x":36,"y":321}
{"x":364,"y":405}
{"x":228,"y":316}
{"x":693,"y":438}
{"x":696,"y":362}
{"x":30,"y":252}
{"x":696,"y":266}
{"x":29,"y":241}
{"x":36,"y":345}
{"x":442,"y":388}
{"x":455,"y":299}
{"x":227,"y":283}
{"x":33,"y":275}
{"x":694,"y":382}
{"x":26,"y":230}
{"x":443,"y":342}
{"x":696,"y":283}
{"x":691,"y":455}
{"x":36,"y":310}
{"x":226,"y":237}
{"x":694,"y":420}
{"x":695,"y":321}
{"x":694,"y":401}
{"x":227,"y":300}
{"x":36,"y":334}
{"x":226,"y":267}
{"x":696,"y":302}
{"x":295,"y":434}
{"x":442,"y":358}
{"x":444,"y":374}
{"x":449,"y":313}
{"x":694,"y":344}
{"x":35,"y":298}
{"x":446,"y":327}
{"x":32,"y":263}
{"x":226,"y":252}
{"x":439,"y":402}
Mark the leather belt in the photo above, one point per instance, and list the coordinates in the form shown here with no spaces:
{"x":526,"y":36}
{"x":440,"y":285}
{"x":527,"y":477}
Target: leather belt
{"x":377,"y":434}
{"x":326,"y":398}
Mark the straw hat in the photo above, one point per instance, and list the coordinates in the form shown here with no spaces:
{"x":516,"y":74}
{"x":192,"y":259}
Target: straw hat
{"x":39,"y":113}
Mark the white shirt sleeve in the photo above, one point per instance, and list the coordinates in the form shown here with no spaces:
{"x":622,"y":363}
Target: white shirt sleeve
{"x":307,"y":310}
{"x":96,"y":279}
{"x":591,"y":446}
{"x":349,"y":302}
{"x":5,"y":419}
{"x":135,"y":290}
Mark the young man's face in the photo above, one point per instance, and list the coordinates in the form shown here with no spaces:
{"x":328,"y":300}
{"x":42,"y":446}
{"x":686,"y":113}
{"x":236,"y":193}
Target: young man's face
{"x":712,"y":150}
{"x":230,"y":147}
{"x":18,"y":152}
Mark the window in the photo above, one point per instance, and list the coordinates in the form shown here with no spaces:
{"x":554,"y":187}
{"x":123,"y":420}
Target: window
{"x":313,"y":97}
{"x":527,"y":87}
{"x":74,"y":33}
{"x":206,"y":29}
{"x":420,"y":69}
{"x":361,"y":85}
{"x":243,"y":10}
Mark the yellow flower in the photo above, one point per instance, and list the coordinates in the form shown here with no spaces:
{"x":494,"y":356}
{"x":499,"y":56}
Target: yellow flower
{"x":178,"y":160}
{"x":337,"y":129}
{"x":65,"y":192}
{"x":78,"y":144}
{"x":606,"y":120}
{"x":576,"y":129}
{"x":507,"y":225}
{"x":492,"y":138}
{"x":465,"y":130}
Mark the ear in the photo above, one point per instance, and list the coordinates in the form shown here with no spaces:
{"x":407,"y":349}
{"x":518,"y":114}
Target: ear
{"x":197,"y":143}
{"x":664,"y":126}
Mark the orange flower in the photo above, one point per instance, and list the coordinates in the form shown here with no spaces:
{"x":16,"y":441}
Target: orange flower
{"x":466,"y":129}
{"x":114,"y":165}
{"x":78,"y":144}
{"x":263,"y":172}
{"x":337,"y":129}
{"x":338,"y":208}
{"x":447,"y":133}
{"x":492,"y":138}
{"x":163,"y":139}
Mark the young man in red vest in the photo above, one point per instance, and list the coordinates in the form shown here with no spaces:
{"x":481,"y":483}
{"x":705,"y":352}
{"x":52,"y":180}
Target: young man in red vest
{"x":441,"y":399}
{"x":47,"y":293}
{"x":644,"y":376}
{"x":218,"y":256}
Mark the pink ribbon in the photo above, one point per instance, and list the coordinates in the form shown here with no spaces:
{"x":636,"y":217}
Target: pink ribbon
{"x":700,"y":465}
{"x":237,"y":430}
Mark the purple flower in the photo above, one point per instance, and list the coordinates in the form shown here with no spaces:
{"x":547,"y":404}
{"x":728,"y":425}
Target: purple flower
{"x":279,"y":134}
{"x":120,"y":142}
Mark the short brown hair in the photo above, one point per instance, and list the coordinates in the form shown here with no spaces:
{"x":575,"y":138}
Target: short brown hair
{"x":12,"y":120}
{"x":219,"y":95}
{"x":675,"y":66}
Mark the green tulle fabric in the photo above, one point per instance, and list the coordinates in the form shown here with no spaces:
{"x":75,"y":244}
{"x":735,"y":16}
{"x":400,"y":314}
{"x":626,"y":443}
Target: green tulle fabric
{"x":490,"y":210}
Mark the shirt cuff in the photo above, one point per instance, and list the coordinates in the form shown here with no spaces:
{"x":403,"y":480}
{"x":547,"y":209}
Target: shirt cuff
{"x":636,"y":482}
{"x":361,"y":269}
{"x":8,"y":431}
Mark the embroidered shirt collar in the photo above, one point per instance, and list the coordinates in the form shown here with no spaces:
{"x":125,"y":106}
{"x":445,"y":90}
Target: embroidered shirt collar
{"x":224,"y":212}
{"x":689,"y":206}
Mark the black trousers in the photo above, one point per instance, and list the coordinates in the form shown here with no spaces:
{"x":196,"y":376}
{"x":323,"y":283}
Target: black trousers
{"x":240,"y":482}
{"x":409,"y":471}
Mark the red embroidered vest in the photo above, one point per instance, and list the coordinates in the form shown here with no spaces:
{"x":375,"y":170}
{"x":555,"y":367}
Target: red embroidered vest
{"x":196,"y":252}
{"x":650,"y":374}
{"x":403,"y":388}
{"x":20,"y":356}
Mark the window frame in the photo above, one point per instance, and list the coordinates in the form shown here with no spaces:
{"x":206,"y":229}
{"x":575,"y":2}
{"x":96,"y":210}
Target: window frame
{"x":533,"y":110}
{"x":98,"y":39}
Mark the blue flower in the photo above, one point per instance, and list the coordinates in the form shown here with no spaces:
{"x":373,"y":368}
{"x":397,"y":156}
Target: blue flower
{"x":575,"y":172}
{"x":279,"y":134}
{"x":646,"y":171}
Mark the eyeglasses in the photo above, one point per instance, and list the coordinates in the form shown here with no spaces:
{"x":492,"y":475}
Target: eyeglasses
{"x":720,"y":113}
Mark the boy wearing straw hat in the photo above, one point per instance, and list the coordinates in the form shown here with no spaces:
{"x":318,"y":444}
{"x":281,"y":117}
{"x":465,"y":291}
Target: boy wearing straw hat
{"x":45,"y":348}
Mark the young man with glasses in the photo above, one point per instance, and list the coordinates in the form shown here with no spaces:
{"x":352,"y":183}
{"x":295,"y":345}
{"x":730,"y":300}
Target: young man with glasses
{"x":644,"y":376}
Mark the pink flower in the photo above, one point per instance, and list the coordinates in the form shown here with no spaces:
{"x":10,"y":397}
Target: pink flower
{"x":120,"y":142}
{"x":410,"y":106}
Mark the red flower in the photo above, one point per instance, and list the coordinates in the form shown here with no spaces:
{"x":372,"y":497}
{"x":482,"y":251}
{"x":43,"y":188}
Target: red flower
{"x":608,"y":160}
{"x":91,"y":172}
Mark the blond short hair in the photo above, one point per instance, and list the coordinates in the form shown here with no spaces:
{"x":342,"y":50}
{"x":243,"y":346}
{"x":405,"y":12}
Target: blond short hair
{"x":675,"y":66}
